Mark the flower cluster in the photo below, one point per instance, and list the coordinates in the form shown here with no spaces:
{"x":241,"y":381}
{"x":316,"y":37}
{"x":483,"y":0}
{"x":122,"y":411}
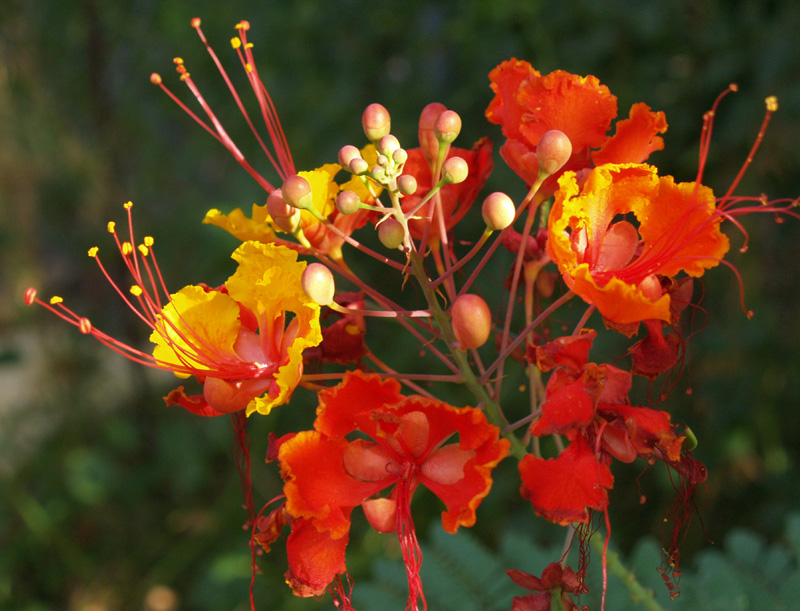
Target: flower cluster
{"x":612,"y":231}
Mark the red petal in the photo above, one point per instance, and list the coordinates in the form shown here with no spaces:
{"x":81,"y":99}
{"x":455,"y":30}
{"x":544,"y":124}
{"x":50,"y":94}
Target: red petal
{"x":571,"y":352}
{"x":635,"y":137}
{"x":563,"y":489}
{"x":565,"y":409}
{"x":315,"y":558}
{"x":196,"y":404}
{"x":317,"y":486}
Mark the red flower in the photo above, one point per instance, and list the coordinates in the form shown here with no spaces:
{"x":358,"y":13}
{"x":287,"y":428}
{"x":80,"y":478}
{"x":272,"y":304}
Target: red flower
{"x":555,"y":581}
{"x":327,"y":475}
{"x":588,"y":403}
{"x":527,"y":104}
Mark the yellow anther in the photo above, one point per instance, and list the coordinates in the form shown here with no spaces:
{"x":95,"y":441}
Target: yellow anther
{"x":111,"y":226}
{"x":236,"y":42}
{"x":243,"y":25}
{"x":85,"y":325}
{"x":195,"y":22}
{"x":772,"y":103}
{"x":136,"y":290}
{"x":127,"y":205}
{"x":55,"y":299}
{"x":144,"y":250}
{"x":93,"y":251}
{"x":249,"y":45}
{"x":127,"y":248}
{"x":148,"y":241}
{"x":184,"y":76}
{"x":155,"y":78}
{"x":178,"y":61}
{"x":248,"y":67}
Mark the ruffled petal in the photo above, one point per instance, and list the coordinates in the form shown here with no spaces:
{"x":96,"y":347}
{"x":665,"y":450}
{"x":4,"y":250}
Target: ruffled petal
{"x":635,"y":138}
{"x":315,"y":558}
{"x":565,"y":488}
{"x":317,"y":485}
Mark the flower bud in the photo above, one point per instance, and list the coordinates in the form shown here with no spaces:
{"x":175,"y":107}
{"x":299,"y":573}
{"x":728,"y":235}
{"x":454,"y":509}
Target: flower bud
{"x":553,"y":151}
{"x":348,"y":202}
{"x":358,"y":165}
{"x":472,"y":321}
{"x":378,"y":173}
{"x":447,"y":126}
{"x":376,"y":122}
{"x":400,"y":156}
{"x":317,"y":282}
{"x":284,"y":216}
{"x":407,"y":184}
{"x":498,"y":211}
{"x":388,"y":145}
{"x":390,"y":233}
{"x":297,"y":192}
{"x":427,"y":138}
{"x":455,"y":170}
{"x":347,"y":153}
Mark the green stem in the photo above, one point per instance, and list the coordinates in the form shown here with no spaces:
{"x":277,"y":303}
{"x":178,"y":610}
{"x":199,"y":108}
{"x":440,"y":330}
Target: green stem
{"x":638,"y":593}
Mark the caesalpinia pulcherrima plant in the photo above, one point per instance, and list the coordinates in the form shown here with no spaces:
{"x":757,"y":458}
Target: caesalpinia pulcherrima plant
{"x":598,"y":223}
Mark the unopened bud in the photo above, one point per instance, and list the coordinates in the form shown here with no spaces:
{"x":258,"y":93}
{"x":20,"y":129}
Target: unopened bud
{"x":358,"y":166}
{"x":455,"y":170}
{"x":317,"y":282}
{"x":498,"y":211}
{"x":378,"y":173}
{"x":376,"y":122}
{"x":407,"y":184}
{"x":297,"y":192}
{"x":348,"y":202}
{"x":388,"y":145}
{"x":390,"y":233}
{"x":400,"y":156}
{"x":347,"y":153}
{"x":427,"y":139}
{"x":553,"y":151}
{"x":447,"y":126}
{"x":284,"y":216}
{"x":472,"y":321}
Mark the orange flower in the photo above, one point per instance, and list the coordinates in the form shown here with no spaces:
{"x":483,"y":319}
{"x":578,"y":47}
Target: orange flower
{"x":402,"y":443}
{"x":527,"y":104}
{"x":615,"y":265}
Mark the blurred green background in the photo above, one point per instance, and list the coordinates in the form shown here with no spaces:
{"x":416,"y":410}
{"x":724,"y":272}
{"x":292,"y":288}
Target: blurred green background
{"x":108,"y":501}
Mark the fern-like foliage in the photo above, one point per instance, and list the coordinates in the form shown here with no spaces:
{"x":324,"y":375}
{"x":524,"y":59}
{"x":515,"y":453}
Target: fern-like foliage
{"x":460,"y":573}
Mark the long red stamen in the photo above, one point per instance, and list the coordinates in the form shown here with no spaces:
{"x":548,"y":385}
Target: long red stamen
{"x":409,"y":545}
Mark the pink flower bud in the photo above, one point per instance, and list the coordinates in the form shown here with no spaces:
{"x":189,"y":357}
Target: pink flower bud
{"x":388,"y":145}
{"x":455,"y":170}
{"x":297,"y":192}
{"x":390,"y":233}
{"x":553,"y":151}
{"x":284,"y":216}
{"x":347,"y":202}
{"x":376,"y":122}
{"x":347,"y":153}
{"x":472,"y":321}
{"x":400,"y":156}
{"x":317,"y":282}
{"x":427,"y":138}
{"x":498,"y":211}
{"x":358,"y":165}
{"x":407,"y":184}
{"x":447,"y":126}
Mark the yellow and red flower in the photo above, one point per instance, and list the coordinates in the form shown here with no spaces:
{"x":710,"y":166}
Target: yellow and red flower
{"x":368,"y":438}
{"x":236,"y":340}
{"x":527,"y":104}
{"x":612,"y":263}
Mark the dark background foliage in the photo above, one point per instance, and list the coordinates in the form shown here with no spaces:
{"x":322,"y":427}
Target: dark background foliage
{"x":109,"y":501}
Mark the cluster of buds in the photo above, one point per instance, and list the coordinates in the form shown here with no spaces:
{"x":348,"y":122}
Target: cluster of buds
{"x":622,"y":238}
